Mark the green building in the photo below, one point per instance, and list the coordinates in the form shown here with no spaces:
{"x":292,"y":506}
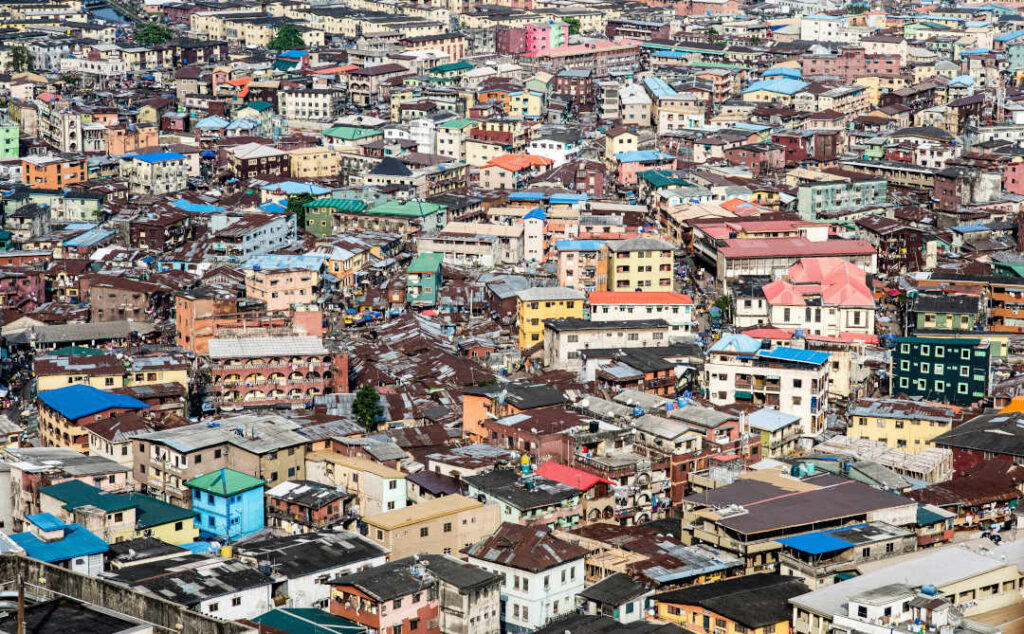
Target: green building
{"x":429,"y":216}
{"x":423,"y":280}
{"x":320,"y":213}
{"x":826,"y":197}
{"x":449,"y":73}
{"x":8,"y":140}
{"x":954,"y":371}
{"x":944,"y":312}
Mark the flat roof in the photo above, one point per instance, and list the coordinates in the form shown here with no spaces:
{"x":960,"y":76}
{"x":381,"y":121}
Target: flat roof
{"x":423,"y":511}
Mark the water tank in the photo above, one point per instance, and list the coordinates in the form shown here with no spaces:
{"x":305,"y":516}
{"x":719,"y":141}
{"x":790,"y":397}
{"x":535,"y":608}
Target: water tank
{"x":594,"y":426}
{"x":810,"y":468}
{"x":225,"y":551}
{"x":929,"y":589}
{"x":795,"y":471}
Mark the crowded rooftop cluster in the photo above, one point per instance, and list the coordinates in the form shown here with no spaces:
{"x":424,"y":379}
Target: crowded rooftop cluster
{"x":511,"y":317}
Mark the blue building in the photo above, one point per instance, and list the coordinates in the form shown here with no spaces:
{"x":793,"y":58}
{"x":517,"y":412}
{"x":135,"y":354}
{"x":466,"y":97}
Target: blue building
{"x":228,"y":504}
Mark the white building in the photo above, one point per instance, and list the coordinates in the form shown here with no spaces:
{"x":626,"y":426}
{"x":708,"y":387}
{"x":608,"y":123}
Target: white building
{"x":565,"y":340}
{"x":620,"y":596}
{"x":742,"y":369}
{"x":309,"y":104}
{"x":541,"y":574}
{"x":675,"y":308}
{"x":560,"y":146}
{"x":155,"y":173}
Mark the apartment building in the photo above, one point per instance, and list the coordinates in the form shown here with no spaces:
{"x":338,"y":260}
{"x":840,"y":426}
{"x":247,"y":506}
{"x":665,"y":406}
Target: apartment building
{"x":378,"y":487}
{"x":675,"y":308}
{"x":155,"y":173}
{"x":567,"y":340}
{"x":640,"y":264}
{"x":536,"y":305}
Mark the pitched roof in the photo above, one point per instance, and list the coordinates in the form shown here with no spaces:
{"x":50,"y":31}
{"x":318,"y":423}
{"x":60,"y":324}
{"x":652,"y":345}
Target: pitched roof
{"x":753,"y":601}
{"x":517,"y":162}
{"x":225,"y":482}
{"x":575,"y":478}
{"x":525,"y":547}
{"x":75,"y":401}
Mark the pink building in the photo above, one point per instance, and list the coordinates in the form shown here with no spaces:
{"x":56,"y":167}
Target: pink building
{"x":632,"y":163}
{"x":705,"y":7}
{"x":24,"y":289}
{"x":281,"y":288}
{"x":531,"y":38}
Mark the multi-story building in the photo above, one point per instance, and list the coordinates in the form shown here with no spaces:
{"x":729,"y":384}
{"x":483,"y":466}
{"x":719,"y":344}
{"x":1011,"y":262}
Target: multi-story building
{"x":280,"y":289}
{"x":675,"y":308}
{"x":723,"y":606}
{"x":53,"y":172}
{"x":442,"y":525}
{"x":228,"y":504}
{"x":379,"y":488}
{"x":253,"y":160}
{"x":535,"y":305}
{"x":740,"y":369}
{"x":304,"y":506}
{"x":65,"y":412}
{"x":582,"y":264}
{"x":9,"y":133}
{"x":953,"y":371}
{"x":398,"y":596}
{"x":268,"y":371}
{"x":155,"y":173}
{"x":528,"y":498}
{"x":640,"y":264}
{"x":541,"y":574}
{"x":101,"y":371}
{"x":423,"y":280}
{"x":309,"y":104}
{"x":904,"y":424}
{"x":566,"y":340}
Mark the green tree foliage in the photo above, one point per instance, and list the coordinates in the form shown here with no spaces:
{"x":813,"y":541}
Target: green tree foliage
{"x":286,"y":39}
{"x":366,"y":408}
{"x":295,"y":206}
{"x":21,"y":59}
{"x":152,"y":33}
{"x":574,"y":25}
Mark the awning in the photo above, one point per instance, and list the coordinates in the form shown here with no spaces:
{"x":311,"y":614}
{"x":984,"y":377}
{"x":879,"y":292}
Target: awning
{"x":744,"y":394}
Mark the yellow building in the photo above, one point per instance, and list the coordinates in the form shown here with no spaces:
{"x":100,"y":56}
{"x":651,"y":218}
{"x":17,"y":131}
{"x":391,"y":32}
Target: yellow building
{"x":619,"y":140}
{"x":527,"y":104}
{"x":101,"y":371}
{"x":155,"y":369}
{"x":640,"y":264}
{"x":534,"y":305}
{"x":722,"y":607}
{"x":314,"y":162}
{"x":115,"y":517}
{"x":901,"y":423}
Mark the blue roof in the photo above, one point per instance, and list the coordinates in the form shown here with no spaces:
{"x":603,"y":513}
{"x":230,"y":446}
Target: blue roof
{"x":75,"y":401}
{"x":969,"y":228}
{"x":815,"y":543}
{"x":295,"y":187}
{"x":1009,"y":36}
{"x":671,"y":54}
{"x":974,"y":51}
{"x":795,"y":355}
{"x":659,"y":87}
{"x":527,"y":196}
{"x":274,"y":207}
{"x":578,"y":245}
{"x":77,"y":542}
{"x":274,"y":261}
{"x":293,"y":54}
{"x":212,"y":122}
{"x":535,"y":214}
{"x":562,"y":199}
{"x":196,"y":208}
{"x":158,"y":157}
{"x":642,"y":156}
{"x":89,"y":238}
{"x":737,"y":342}
{"x":750,"y":127}
{"x":784,"y":86}
{"x":782,"y":71}
{"x":46,"y":521}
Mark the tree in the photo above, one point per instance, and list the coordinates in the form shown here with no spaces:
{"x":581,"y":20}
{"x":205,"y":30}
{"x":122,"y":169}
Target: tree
{"x":295,"y":206}
{"x":21,"y":59}
{"x":152,"y":33}
{"x":366,"y":408}
{"x":574,"y":25}
{"x":286,"y":38}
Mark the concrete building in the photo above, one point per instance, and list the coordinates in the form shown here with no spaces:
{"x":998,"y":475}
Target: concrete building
{"x":228,"y":504}
{"x":536,"y":305}
{"x":675,"y":308}
{"x":567,"y":340}
{"x":379,"y":488}
{"x":156,"y":173}
{"x":640,"y":264}
{"x":443,"y":525}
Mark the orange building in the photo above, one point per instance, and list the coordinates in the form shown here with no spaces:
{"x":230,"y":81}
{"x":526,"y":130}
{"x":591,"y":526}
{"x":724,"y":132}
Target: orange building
{"x":53,"y":172}
{"x":498,"y":401}
{"x":125,"y":139}
{"x":201,"y":314}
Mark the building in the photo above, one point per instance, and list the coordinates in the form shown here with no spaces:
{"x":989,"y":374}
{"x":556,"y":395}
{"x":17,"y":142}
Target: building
{"x":53,"y":172}
{"x":398,"y":596}
{"x":582,"y":264}
{"x":758,"y":604}
{"x":904,"y":424}
{"x":640,"y":264}
{"x":303,"y":506}
{"x":155,"y":173}
{"x":535,"y":305}
{"x":64,"y":413}
{"x":267,"y":371}
{"x":101,"y":371}
{"x":541,"y":574}
{"x":115,"y":517}
{"x":469,"y":596}
{"x":282,"y":288}
{"x":378,"y":488}
{"x":253,"y":160}
{"x":566,"y":340}
{"x":740,"y":257}
{"x":741,"y":369}
{"x":825,"y":557}
{"x":676,"y":309}
{"x":69,"y":546}
{"x":443,"y":525}
{"x":423,"y":280}
{"x":545,"y":503}
{"x":953,"y":371}
{"x":619,"y":596}
{"x":228,"y":504}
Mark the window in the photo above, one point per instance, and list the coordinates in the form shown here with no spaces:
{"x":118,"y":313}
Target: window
{"x":393,"y":484}
{"x":424,"y":531}
{"x":237,"y":601}
{"x":397,"y":603}
{"x":414,"y":624}
{"x":179,"y":525}
{"x":213,"y":607}
{"x":447,"y":527}
{"x":216,"y":454}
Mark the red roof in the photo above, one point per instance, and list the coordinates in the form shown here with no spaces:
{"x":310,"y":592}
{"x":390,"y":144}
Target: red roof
{"x":571,"y":476}
{"x":796,"y":246}
{"x":517,"y":162}
{"x":641,"y":297}
{"x":836,"y":281}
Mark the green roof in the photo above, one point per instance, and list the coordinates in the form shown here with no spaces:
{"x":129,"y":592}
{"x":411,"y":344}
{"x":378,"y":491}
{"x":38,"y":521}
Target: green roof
{"x":259,"y":106}
{"x":661,"y":178}
{"x":350,"y":133}
{"x":308,"y":621}
{"x":341,"y":204}
{"x":426,"y":263}
{"x":225,"y":482}
{"x":149,"y":512}
{"x":76,"y":350}
{"x":407,"y":208}
{"x":458,"y":124}
{"x":450,"y":68}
